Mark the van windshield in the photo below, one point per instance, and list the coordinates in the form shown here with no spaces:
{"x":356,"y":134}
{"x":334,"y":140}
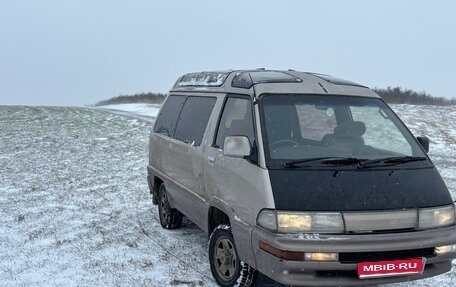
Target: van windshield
{"x":344,"y":129}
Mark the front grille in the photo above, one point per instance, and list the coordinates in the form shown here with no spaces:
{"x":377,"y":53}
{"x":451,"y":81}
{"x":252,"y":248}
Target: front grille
{"x":383,"y":231}
{"x":356,"y":257}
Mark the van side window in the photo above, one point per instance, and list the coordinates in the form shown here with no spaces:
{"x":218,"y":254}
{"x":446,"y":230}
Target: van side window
{"x":236,"y":120}
{"x":166,"y":121}
{"x":193,"y":119}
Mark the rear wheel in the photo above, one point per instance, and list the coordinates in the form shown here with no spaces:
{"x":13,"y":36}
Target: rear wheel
{"x":170,"y":218}
{"x":226,"y":267}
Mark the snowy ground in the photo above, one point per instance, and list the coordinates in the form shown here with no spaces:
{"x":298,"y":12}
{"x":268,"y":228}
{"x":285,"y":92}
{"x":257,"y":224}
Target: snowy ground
{"x":148,"y":110}
{"x":439,"y":125}
{"x":75,"y":208}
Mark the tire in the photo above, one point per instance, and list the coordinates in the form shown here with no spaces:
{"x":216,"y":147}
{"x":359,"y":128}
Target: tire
{"x":170,"y":218}
{"x":226,"y":267}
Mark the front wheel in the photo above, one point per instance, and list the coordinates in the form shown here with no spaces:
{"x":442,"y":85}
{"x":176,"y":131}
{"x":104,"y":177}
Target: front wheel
{"x":226,"y":267}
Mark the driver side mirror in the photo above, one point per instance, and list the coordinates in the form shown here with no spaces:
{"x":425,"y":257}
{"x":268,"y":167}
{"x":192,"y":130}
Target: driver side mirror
{"x":237,"y":146}
{"x":424,"y":142}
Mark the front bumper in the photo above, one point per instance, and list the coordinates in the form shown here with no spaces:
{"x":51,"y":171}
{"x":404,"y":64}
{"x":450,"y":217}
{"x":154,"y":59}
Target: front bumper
{"x":313,"y":273}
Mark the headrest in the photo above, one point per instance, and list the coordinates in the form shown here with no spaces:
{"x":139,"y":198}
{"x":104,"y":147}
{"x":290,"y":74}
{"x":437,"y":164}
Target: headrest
{"x":350,"y":130}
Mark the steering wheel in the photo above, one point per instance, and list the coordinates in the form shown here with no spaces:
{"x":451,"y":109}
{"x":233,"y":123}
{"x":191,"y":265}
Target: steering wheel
{"x":284,"y":142}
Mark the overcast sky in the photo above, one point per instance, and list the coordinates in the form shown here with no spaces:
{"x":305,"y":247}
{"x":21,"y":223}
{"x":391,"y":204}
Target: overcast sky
{"x":79,"y":52}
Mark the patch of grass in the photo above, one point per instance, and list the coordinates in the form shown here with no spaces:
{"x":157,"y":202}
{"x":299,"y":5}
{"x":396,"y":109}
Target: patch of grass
{"x":392,"y":95}
{"x":399,"y":95}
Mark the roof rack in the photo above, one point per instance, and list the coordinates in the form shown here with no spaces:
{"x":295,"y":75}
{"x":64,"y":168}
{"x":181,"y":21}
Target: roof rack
{"x":203,"y":79}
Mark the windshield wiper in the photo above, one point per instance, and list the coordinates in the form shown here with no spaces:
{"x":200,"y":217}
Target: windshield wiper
{"x":324,"y":160}
{"x":389,"y":161}
{"x":359,"y":162}
{"x":344,"y":161}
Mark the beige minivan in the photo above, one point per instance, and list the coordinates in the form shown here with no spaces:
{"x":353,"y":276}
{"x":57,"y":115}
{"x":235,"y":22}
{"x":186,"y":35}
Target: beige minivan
{"x":306,"y":178}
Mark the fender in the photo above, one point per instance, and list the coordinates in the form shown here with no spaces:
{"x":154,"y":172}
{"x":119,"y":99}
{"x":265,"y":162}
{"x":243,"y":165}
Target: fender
{"x":241,"y":230}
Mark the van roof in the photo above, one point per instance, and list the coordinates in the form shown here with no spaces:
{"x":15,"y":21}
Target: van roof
{"x":262,"y":81}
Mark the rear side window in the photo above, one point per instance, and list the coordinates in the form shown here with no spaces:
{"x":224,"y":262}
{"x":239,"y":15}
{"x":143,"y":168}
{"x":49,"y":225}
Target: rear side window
{"x":193,"y":119}
{"x":166,"y":121}
{"x":236,"y":120}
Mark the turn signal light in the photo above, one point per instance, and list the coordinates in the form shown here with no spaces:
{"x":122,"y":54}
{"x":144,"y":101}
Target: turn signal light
{"x":283,"y":254}
{"x":297,"y":255}
{"x":445,"y":249}
{"x":320,"y":256}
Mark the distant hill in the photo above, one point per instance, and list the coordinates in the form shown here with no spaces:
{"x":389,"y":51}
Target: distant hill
{"x":392,"y":95}
{"x":148,"y":97}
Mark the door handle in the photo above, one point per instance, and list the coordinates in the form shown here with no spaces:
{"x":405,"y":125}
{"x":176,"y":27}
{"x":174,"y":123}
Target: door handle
{"x":211,"y":158}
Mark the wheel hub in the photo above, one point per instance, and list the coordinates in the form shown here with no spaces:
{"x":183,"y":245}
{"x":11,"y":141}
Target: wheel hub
{"x":225,"y":258}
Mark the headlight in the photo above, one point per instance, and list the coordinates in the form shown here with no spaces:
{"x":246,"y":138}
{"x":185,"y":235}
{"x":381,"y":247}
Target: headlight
{"x":296,"y":222}
{"x":436,"y":217}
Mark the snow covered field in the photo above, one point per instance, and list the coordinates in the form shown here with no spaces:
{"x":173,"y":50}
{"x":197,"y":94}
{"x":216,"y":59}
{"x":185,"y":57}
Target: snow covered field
{"x":148,"y":110}
{"x":75,"y":208}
